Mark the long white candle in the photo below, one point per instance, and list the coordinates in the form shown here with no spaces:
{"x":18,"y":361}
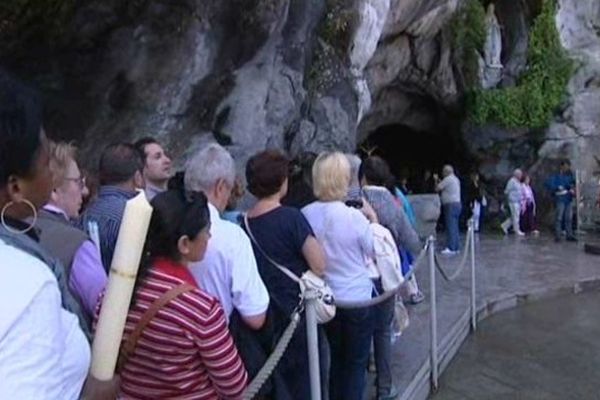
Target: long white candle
{"x":123,"y":270}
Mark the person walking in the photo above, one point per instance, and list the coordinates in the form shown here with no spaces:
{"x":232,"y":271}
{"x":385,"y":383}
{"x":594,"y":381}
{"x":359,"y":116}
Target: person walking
{"x":528,"y":207}
{"x":449,"y":190}
{"x":562,"y":187}
{"x":513,"y":192}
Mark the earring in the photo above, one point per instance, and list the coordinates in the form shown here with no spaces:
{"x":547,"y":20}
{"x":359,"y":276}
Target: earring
{"x":11,"y":229}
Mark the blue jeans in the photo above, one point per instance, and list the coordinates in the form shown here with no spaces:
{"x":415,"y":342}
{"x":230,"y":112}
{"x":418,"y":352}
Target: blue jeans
{"x":349,"y":335}
{"x":564,"y":213}
{"x":383,"y":315}
{"x":451,"y":218}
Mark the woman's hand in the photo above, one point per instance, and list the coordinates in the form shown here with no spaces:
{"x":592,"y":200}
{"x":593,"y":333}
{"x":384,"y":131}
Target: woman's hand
{"x":95,"y":389}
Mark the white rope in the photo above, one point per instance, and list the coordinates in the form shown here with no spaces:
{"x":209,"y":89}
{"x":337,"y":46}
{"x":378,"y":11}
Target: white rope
{"x":463,"y":263}
{"x":267,"y":369}
{"x":387,"y":294}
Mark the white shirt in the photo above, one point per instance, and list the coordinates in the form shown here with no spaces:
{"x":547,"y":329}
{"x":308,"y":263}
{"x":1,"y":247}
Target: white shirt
{"x":43,"y":352}
{"x":228,"y":270}
{"x":449,"y":189}
{"x":346,"y":237}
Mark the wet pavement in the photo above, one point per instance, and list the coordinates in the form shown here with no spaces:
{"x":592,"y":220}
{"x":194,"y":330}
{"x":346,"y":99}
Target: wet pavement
{"x":510,"y":271}
{"x":546,"y":350}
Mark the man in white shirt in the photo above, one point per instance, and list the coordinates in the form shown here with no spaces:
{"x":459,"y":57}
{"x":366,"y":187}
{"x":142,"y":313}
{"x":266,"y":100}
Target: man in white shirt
{"x":228,"y":270}
{"x":449,"y":190}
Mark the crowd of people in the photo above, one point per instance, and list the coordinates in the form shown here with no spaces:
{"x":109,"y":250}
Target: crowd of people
{"x":218,"y":303}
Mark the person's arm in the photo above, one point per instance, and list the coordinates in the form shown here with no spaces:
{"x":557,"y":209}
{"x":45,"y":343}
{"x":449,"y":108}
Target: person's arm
{"x":223,"y":364}
{"x":442,"y":185}
{"x":314,"y":255}
{"x":369,"y":212}
{"x":249,"y":294}
{"x":88,"y":278}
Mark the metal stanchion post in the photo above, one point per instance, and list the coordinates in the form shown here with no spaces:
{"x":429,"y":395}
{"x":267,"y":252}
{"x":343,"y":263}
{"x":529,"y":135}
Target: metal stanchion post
{"x":473,"y":292}
{"x":313,"y":344}
{"x":432,"y":290}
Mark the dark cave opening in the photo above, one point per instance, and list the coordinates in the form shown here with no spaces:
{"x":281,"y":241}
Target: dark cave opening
{"x":411,"y":152}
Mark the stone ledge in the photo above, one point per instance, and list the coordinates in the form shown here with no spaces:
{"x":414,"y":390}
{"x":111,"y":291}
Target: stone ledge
{"x":420,"y":386}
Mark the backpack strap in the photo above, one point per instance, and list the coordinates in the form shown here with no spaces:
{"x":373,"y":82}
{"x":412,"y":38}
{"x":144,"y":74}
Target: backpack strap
{"x":128,"y":347}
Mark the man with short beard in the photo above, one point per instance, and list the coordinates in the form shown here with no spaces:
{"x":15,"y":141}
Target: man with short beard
{"x":157,"y":166}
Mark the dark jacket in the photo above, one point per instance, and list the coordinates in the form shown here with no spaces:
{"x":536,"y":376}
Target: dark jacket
{"x":561,"y":185}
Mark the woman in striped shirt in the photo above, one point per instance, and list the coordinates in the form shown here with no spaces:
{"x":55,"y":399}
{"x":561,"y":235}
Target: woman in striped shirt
{"x":185,"y":351}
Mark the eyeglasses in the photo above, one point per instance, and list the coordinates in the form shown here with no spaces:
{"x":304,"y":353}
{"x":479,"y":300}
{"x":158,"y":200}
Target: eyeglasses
{"x":80,"y":181}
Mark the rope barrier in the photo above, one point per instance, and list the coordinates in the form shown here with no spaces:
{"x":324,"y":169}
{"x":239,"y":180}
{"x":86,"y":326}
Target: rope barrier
{"x":267,"y":369}
{"x":271,"y":363}
{"x":387,"y":294}
{"x":463,"y":263}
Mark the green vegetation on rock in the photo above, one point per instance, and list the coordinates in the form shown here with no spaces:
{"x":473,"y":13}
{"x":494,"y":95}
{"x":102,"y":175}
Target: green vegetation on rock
{"x":540,"y":90}
{"x":334,"y":36}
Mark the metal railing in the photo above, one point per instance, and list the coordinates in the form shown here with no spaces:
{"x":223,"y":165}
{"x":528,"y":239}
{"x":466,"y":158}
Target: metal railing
{"x":310,"y":297}
{"x":469,"y":255}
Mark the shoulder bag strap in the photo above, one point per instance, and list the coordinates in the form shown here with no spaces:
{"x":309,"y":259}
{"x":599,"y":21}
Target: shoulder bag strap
{"x":128,"y":347}
{"x":283,"y":269}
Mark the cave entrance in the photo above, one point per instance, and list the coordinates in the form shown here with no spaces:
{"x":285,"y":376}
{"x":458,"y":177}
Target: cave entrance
{"x":410,"y":152}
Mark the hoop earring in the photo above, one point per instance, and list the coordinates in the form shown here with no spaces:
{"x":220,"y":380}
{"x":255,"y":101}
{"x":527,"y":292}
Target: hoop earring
{"x":11,"y":229}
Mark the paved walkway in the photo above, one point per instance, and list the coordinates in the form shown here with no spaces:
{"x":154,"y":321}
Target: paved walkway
{"x":510,"y":271}
{"x":548,"y":350}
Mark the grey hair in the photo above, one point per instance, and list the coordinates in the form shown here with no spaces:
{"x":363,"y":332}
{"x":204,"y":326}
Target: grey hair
{"x":449,"y":168}
{"x":355,"y":162}
{"x":207,"y":167}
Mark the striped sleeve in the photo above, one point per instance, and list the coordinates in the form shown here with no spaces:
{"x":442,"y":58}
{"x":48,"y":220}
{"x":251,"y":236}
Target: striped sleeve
{"x":223,"y":363}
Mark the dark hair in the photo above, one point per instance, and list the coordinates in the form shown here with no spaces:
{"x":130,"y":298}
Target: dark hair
{"x":118,"y":163}
{"x":266,"y":172}
{"x":20,"y":128}
{"x":141,"y":144}
{"x":376,"y":171}
{"x":175,"y":214}
{"x":176,"y":181}
{"x":565,"y":163}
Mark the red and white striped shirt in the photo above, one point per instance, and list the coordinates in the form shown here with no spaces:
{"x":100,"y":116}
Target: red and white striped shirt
{"x":186,"y":350}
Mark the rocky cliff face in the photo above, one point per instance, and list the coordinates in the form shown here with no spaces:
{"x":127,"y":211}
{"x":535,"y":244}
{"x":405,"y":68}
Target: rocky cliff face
{"x":296,"y":74}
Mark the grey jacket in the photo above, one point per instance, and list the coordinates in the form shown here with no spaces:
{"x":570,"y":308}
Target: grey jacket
{"x":392,"y":216}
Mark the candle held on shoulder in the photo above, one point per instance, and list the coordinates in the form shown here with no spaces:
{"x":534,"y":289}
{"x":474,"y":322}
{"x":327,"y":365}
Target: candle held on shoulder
{"x":121,"y":280}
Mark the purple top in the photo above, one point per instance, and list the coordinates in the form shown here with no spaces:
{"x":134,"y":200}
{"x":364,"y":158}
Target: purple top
{"x":87,"y":277}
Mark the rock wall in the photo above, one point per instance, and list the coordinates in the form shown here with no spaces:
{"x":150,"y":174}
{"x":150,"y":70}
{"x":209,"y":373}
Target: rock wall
{"x":296,"y":74}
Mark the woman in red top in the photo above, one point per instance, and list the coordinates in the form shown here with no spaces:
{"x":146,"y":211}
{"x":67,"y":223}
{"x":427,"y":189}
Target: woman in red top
{"x":185,"y":351}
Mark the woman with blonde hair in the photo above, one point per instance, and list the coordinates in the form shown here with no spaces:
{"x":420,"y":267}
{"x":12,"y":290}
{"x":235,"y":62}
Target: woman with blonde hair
{"x":346,"y":237}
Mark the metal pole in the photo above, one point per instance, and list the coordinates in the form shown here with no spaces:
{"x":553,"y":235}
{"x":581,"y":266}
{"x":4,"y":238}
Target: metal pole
{"x":473,"y":289}
{"x":578,"y":181}
{"x":432,"y":290}
{"x":313,"y":344}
